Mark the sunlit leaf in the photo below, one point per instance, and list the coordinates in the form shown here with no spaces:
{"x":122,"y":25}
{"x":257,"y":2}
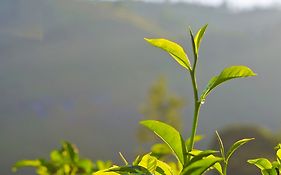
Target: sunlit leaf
{"x":278,"y":153}
{"x":217,"y":166}
{"x":261,"y":163}
{"x":155,"y":166}
{"x":149,"y":162}
{"x":227,"y":74}
{"x":174,"y":49}
{"x":170,"y":136}
{"x":199,"y":36}
{"x":26,"y":163}
{"x":235,"y":146}
{"x":269,"y":172}
{"x":200,"y":155}
{"x":129,"y":169}
{"x":201,"y":166}
{"x":108,"y":171}
{"x":56,"y":156}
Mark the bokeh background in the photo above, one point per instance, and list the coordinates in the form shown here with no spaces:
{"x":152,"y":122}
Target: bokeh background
{"x":79,"y":70}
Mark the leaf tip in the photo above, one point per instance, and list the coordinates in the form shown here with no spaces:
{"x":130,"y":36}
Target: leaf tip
{"x":147,"y":39}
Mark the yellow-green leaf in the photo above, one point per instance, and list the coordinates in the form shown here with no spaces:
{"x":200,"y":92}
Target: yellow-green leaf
{"x":235,"y":146}
{"x":200,"y":166}
{"x":174,"y":49}
{"x":261,"y":163}
{"x":170,"y":136}
{"x":227,"y":74}
{"x":155,"y":166}
{"x":26,"y":163}
{"x":199,"y":36}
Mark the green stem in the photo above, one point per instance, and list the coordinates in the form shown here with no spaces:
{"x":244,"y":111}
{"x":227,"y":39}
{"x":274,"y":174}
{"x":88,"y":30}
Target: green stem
{"x":197,"y":105}
{"x":224,"y":168}
{"x":197,"y":102}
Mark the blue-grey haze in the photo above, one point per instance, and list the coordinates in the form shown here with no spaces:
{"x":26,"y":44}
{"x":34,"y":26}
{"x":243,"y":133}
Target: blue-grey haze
{"x":77,"y":71}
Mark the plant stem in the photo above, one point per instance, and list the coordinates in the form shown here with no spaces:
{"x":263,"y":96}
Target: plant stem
{"x":224,"y":168}
{"x":197,"y":105}
{"x":197,"y":102}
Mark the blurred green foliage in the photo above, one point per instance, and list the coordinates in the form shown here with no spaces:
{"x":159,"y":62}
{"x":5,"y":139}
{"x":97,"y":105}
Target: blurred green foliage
{"x":162,"y":105}
{"x":64,"y":161}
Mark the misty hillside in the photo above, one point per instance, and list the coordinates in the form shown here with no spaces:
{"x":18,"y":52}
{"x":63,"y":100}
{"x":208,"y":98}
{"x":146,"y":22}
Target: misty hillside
{"x":78,"y":70}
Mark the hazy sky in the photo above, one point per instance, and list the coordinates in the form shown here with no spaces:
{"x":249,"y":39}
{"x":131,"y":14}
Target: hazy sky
{"x":233,"y":4}
{"x":240,"y":3}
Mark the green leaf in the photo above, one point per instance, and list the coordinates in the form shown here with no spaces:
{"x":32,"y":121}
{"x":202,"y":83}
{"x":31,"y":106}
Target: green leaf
{"x":155,"y":166}
{"x":193,"y":45}
{"x":170,"y":136}
{"x":278,"y":153}
{"x":174,"y":49}
{"x":269,"y":172}
{"x":86,"y":165}
{"x":106,"y":172}
{"x":56,"y":157}
{"x":261,"y":163}
{"x":70,"y":152}
{"x":198,"y":37}
{"x":227,"y":74}
{"x":200,"y":155}
{"x":218,"y":167}
{"x":201,"y":166}
{"x":129,"y":169}
{"x":235,"y":146}
{"x":149,"y":162}
{"x":26,"y":163}
{"x":137,"y":160}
